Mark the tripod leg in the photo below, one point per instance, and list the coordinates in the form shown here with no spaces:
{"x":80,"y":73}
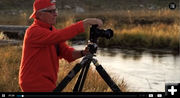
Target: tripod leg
{"x":81,"y":79}
{"x":106,"y":77}
{"x":68,"y":78}
{"x":71,"y":74}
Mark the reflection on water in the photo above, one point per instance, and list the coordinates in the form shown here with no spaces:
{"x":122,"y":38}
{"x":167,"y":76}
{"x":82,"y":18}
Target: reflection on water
{"x":126,"y":54}
{"x":142,"y":71}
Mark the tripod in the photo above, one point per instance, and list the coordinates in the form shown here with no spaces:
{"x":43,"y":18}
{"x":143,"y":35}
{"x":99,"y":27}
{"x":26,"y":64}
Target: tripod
{"x":85,"y":64}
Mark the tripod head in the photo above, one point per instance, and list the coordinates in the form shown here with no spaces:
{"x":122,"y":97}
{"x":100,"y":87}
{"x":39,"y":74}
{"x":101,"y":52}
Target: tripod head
{"x":92,"y":48}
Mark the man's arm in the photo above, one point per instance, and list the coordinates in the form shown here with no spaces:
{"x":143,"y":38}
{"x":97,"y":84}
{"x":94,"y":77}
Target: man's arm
{"x":70,"y":54}
{"x":45,"y":37}
{"x":40,"y":36}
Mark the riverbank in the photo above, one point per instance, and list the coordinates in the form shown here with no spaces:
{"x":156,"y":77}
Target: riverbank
{"x":142,"y":29}
{"x":155,"y":37}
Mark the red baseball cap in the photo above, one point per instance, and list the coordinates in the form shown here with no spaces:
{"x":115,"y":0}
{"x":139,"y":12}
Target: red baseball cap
{"x":41,"y":4}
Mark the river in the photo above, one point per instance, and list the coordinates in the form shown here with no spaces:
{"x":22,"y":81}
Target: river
{"x":142,"y":71}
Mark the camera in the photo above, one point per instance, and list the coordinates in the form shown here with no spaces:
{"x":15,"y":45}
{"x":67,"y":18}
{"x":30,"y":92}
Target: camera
{"x":95,"y":33}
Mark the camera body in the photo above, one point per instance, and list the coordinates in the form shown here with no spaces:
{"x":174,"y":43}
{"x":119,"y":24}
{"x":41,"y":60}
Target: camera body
{"x":95,"y":33}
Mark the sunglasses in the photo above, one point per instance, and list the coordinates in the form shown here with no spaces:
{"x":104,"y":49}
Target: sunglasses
{"x":50,"y":11}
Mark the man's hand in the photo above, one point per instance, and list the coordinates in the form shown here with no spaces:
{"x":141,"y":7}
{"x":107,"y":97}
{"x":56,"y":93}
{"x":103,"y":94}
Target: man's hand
{"x":85,"y":51}
{"x":80,"y":53}
{"x":92,"y":21}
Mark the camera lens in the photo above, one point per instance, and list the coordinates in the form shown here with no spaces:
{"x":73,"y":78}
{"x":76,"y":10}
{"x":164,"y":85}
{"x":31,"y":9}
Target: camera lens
{"x":108,"y":33}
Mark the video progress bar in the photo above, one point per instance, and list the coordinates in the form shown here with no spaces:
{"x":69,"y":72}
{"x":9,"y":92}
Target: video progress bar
{"x":103,"y":96}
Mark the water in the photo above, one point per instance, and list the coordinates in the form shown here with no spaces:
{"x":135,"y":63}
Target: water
{"x":142,"y":71}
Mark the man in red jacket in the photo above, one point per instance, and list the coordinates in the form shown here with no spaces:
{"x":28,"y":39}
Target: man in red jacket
{"x":44,"y":45}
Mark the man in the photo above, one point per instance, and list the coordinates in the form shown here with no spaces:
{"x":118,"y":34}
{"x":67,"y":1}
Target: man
{"x":44,"y":45}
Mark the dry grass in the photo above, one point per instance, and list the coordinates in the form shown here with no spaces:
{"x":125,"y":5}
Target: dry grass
{"x":156,"y":36}
{"x":155,"y":29}
{"x":10,"y":57}
{"x":93,"y":82}
{"x":9,"y":68}
{"x":137,"y":29}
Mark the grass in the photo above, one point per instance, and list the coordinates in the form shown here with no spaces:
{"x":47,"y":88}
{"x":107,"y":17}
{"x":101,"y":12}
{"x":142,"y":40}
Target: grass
{"x":9,"y":68}
{"x":10,"y":57}
{"x":156,"y":36}
{"x":149,"y":29}
{"x":146,"y":29}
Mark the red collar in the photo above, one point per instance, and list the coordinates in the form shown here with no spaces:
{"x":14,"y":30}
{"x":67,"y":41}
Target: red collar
{"x":42,"y":24}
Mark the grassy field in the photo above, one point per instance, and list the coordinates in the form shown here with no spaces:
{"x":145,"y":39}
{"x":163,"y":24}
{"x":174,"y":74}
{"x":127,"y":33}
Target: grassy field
{"x":159,"y":29}
{"x":10,"y":57}
{"x":9,"y":68}
{"x":134,"y":29}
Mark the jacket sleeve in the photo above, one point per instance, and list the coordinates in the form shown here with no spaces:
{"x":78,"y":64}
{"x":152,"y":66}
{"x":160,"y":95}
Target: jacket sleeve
{"x":66,"y":52}
{"x":41,"y":36}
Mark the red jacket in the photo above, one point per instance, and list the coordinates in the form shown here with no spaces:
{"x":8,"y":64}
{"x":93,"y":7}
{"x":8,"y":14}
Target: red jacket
{"x":40,"y":63}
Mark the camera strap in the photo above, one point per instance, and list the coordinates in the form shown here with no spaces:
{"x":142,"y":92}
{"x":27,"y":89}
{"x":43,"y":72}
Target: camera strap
{"x":56,"y":46}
